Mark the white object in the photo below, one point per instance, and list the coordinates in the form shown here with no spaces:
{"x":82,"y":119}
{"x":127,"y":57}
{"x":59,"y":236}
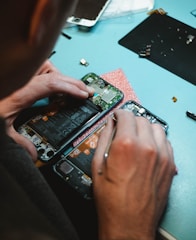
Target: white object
{"x":118,"y":8}
{"x":94,"y":13}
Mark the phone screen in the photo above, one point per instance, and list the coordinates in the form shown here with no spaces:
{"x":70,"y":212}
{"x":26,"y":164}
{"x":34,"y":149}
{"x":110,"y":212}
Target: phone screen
{"x":87,"y":12}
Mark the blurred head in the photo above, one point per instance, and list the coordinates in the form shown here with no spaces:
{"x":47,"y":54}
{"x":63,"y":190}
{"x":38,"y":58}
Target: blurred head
{"x":29,"y":29}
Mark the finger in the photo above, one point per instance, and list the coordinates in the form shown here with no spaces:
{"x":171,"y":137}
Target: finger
{"x":125,"y":139}
{"x":44,"y":85}
{"x":146,"y":146}
{"x":164,"y":147}
{"x":120,"y":140}
{"x":165,"y":168}
{"x":145,"y":132}
{"x":98,"y":159}
{"x":71,"y":87}
{"x":126,"y":124}
{"x":159,"y":136}
{"x":153,"y":137}
{"x":59,"y":83}
{"x":78,"y":84}
{"x":171,"y":152}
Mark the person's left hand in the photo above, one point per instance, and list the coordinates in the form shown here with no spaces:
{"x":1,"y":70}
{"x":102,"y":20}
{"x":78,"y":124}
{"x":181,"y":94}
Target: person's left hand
{"x":47,"y":81}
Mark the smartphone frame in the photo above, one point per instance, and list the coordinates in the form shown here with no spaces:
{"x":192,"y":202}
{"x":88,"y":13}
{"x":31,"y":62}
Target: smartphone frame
{"x":76,"y":177}
{"x":106,"y":97}
{"x":68,"y":166}
{"x":83,"y":19}
{"x":141,"y":111}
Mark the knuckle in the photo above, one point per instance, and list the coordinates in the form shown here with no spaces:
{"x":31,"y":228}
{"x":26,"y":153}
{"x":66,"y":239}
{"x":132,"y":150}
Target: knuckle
{"x":167,"y":163}
{"x":151,"y":151}
{"x":126,"y":143}
{"x":158,"y":127}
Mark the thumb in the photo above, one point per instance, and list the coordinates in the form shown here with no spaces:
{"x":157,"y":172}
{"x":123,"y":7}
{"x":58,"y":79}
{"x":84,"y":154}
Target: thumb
{"x":25,"y":143}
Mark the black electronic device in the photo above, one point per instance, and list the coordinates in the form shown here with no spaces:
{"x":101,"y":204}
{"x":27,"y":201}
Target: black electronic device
{"x":166,"y":42}
{"x":141,"y":111}
{"x":66,"y":118}
{"x":75,"y":167}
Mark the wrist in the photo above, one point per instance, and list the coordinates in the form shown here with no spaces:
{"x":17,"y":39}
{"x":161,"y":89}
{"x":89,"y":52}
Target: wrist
{"x":126,"y":235}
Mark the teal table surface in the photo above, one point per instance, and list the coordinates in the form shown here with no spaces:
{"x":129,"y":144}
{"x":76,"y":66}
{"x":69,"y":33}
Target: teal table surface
{"x":155,"y":88}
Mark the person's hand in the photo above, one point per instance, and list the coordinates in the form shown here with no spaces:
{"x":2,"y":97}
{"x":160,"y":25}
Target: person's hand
{"x":47,"y":81}
{"x":131,"y":187}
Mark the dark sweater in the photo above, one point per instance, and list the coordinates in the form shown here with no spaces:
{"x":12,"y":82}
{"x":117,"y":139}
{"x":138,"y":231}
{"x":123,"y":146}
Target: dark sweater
{"x":28,"y":207}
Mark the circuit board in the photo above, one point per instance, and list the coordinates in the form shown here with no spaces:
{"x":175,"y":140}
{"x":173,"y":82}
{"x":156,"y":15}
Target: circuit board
{"x":67,"y":118}
{"x":106,"y":95}
{"x":75,"y":167}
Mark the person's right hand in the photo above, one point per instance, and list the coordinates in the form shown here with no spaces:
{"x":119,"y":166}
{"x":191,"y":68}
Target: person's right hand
{"x":131,"y":187}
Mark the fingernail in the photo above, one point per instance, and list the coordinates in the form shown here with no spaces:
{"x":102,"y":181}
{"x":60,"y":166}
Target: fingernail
{"x":91,"y":90}
{"x":85,"y":94}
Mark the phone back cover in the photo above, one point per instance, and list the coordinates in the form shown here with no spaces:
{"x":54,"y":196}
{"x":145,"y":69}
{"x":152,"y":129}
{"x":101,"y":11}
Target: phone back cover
{"x":172,"y":44}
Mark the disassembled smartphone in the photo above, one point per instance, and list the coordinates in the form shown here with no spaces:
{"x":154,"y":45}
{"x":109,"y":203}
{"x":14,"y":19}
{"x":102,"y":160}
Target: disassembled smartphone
{"x":139,"y":110}
{"x":87,"y":13}
{"x":67,"y":118}
{"x":75,"y":167}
